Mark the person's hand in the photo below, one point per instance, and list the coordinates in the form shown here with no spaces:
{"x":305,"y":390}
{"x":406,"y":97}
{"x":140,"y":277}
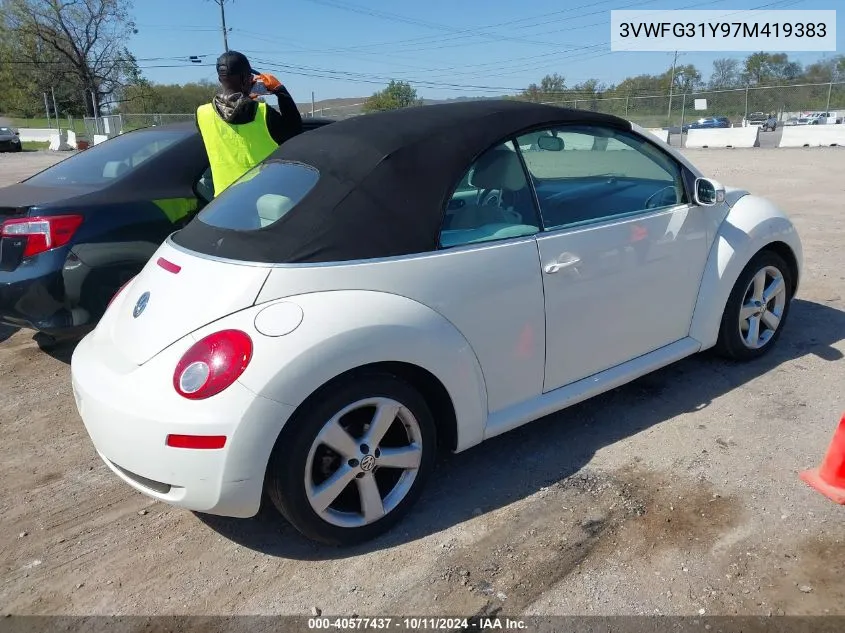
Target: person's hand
{"x":269,"y":81}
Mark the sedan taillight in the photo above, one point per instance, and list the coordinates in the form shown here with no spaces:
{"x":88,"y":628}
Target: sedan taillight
{"x":42,"y":233}
{"x":212,"y":364}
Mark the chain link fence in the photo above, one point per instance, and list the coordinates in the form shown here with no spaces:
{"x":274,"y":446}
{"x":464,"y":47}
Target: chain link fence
{"x":113,"y":124}
{"x":677,"y":111}
{"x":673,"y":112}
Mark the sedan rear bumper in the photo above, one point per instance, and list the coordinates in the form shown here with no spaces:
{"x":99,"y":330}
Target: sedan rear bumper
{"x":45,"y":293}
{"x":35,"y":303}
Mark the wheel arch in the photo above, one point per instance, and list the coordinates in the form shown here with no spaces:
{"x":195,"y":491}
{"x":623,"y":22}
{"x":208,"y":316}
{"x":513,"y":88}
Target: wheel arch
{"x":345,"y":333}
{"x":433,"y":391}
{"x":752,"y":226}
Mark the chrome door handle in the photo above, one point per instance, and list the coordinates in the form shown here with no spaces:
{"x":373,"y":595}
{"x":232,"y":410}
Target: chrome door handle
{"x":560,"y":265}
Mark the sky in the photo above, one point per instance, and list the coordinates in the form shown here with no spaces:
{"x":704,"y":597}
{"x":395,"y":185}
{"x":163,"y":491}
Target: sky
{"x":444,"y":48}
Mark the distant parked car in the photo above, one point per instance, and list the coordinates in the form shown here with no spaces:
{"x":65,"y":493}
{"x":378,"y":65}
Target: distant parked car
{"x":709,"y":123}
{"x":762,"y":120}
{"x":770,"y":124}
{"x":10,"y":140}
{"x":825,"y":118}
{"x":757,"y":118}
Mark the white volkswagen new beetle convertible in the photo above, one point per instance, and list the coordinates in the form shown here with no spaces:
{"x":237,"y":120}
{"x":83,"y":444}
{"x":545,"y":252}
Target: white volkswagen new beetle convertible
{"x":401,"y":281}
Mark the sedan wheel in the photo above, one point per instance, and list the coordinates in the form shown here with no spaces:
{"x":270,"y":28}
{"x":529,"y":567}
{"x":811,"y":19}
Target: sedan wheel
{"x":350,"y":464}
{"x":757,"y":308}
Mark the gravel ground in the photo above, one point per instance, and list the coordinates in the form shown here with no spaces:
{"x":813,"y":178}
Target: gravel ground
{"x":677,"y":494}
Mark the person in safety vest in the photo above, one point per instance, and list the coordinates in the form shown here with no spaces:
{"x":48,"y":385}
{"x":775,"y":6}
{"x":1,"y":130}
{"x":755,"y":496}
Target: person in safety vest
{"x":238,"y":130}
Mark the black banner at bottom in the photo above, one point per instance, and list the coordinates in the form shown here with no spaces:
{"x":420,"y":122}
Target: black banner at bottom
{"x":504,"y":623}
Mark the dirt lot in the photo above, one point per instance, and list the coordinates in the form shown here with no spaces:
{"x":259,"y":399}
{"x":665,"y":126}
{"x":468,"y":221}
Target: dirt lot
{"x":677,"y":494}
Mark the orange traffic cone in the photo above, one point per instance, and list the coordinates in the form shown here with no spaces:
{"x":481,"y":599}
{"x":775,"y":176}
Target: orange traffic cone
{"x":829,"y":478}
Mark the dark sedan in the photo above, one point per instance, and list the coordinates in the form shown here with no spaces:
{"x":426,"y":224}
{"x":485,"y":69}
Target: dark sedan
{"x":708,"y":123}
{"x":10,"y":140}
{"x":74,"y":233}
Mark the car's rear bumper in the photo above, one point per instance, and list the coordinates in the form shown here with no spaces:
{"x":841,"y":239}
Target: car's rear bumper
{"x":34,"y":302}
{"x":128,"y":412}
{"x":44,"y":294}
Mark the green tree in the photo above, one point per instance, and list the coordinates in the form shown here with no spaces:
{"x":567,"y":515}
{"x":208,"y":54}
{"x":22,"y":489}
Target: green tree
{"x":551,"y":87}
{"x":826,"y":70}
{"x":397,"y":94}
{"x":84,"y":41}
{"x":144,"y":97}
{"x":725,"y":74}
{"x":27,"y":71}
{"x":768,"y":68}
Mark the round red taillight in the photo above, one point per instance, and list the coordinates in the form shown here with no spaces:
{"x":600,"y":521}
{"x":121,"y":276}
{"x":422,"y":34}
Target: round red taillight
{"x":212,"y":364}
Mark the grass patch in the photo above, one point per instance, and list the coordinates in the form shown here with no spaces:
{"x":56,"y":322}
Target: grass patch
{"x":34,"y":146}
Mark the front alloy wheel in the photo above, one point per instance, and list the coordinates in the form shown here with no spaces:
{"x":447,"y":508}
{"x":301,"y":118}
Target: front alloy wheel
{"x":757,"y":308}
{"x":762,"y":307}
{"x":347,"y":468}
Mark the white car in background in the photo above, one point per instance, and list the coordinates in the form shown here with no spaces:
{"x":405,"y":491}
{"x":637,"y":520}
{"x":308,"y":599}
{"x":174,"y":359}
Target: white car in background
{"x":826,"y":118}
{"x":408,"y":281}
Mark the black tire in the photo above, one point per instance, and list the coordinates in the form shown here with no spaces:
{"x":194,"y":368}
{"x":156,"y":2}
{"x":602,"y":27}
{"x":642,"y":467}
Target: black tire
{"x":730,"y":343}
{"x":287,"y":467}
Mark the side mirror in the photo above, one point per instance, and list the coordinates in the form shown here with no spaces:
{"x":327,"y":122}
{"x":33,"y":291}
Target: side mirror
{"x":708,"y":192}
{"x":550,"y":143}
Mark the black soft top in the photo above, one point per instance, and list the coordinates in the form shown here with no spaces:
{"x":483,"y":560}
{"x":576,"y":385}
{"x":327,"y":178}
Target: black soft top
{"x":384,"y":181}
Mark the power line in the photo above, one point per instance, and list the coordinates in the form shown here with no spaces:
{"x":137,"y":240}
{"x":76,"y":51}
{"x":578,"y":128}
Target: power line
{"x":394,"y":17}
{"x":507,"y":67}
{"x":439,"y":42}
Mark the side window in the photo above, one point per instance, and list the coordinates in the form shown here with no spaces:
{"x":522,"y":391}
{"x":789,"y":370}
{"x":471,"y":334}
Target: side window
{"x":492,"y":201}
{"x":586,"y":174}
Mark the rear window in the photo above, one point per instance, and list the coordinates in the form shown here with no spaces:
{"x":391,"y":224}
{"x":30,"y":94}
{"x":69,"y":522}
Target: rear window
{"x":262,"y":196}
{"x":104,"y":163}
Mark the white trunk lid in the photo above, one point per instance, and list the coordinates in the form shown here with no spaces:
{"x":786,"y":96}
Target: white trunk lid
{"x":193,"y":293}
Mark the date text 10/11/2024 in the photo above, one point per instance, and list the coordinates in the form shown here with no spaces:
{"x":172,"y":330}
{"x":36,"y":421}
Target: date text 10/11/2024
{"x":417,"y":624}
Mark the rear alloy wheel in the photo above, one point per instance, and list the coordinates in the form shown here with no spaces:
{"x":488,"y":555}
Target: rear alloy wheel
{"x":757,"y":308}
{"x":348,"y":467}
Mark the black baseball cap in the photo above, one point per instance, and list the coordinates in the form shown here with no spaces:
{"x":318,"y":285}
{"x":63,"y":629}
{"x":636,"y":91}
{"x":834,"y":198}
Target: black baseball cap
{"x":233,"y":64}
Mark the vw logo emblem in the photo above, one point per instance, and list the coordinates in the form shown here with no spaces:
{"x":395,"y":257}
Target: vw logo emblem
{"x":141,"y":305}
{"x":368,"y":463}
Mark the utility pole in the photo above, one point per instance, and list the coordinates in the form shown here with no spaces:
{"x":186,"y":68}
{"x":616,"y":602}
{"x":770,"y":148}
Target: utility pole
{"x":312,"y":104}
{"x":55,"y":109}
{"x":671,"y":85}
{"x":47,"y":110}
{"x":834,"y":76}
{"x":96,"y":111}
{"x":221,"y":3}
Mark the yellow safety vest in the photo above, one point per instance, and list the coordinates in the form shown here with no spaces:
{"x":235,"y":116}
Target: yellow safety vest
{"x":233,"y":149}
